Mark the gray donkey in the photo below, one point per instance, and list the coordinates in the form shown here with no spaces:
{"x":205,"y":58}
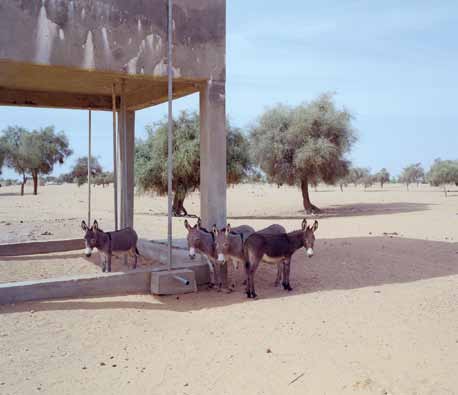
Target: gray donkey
{"x":229,"y":243}
{"x":124,"y":240}
{"x":201,"y":240}
{"x":276,"y":248}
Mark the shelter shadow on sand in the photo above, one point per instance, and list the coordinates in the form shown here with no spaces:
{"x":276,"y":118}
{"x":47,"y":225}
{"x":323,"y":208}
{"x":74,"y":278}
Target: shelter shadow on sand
{"x":339,"y":264}
{"x":347,"y":210}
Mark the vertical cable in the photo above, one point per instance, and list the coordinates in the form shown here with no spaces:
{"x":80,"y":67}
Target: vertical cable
{"x":170,"y":133}
{"x":115,"y":164}
{"x":89,"y":170}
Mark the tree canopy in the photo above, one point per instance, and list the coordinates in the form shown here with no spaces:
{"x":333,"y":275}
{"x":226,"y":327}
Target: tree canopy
{"x":412,"y":174}
{"x":382,"y":177}
{"x":443,"y":172}
{"x":151,"y":158}
{"x":34,"y":152}
{"x":79,"y":170}
{"x":304,"y":145}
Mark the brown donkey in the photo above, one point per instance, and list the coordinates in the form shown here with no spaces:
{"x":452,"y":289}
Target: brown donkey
{"x":276,"y":248}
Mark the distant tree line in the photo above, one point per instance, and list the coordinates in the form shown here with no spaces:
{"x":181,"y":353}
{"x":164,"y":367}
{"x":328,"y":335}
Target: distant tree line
{"x":300,"y":145}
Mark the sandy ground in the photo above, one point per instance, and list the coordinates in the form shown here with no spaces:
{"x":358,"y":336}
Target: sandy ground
{"x":370,"y":313}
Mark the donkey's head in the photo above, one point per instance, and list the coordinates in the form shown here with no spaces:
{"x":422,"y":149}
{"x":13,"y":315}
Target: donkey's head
{"x":194,"y":237}
{"x":221,"y":241}
{"x":308,"y":236}
{"x":90,"y":236}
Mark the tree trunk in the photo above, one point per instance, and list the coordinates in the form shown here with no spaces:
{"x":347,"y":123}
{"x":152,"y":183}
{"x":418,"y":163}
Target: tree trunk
{"x":445,"y":190}
{"x":24,"y":180}
{"x":308,"y":206}
{"x":35,"y":181}
{"x":341,"y":188}
{"x":407,"y":185}
{"x":381,"y":184}
{"x":178,"y":209}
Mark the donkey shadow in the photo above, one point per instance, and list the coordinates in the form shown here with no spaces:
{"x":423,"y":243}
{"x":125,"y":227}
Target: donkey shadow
{"x":339,"y":264}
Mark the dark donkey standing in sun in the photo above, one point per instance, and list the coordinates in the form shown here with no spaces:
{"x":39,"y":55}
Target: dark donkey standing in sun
{"x":274,"y":249}
{"x":124,"y":240}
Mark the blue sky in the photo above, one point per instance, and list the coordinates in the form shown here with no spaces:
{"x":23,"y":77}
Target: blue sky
{"x":393,"y":64}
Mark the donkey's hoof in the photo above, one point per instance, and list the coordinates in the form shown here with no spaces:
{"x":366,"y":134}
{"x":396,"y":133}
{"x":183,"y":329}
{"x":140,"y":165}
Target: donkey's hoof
{"x":287,"y":287}
{"x":211,"y":285}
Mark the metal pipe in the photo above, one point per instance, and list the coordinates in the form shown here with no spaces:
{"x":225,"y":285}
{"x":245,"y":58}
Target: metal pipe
{"x":124,"y":223}
{"x":124,"y":159}
{"x":89,"y":170}
{"x":115,"y":164}
{"x":182,"y":280}
{"x":170,"y":132}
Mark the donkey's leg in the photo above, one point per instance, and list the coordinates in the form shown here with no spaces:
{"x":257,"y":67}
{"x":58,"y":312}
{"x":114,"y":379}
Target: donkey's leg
{"x":247,"y":281}
{"x":254,"y":267}
{"x":279,"y":272}
{"x":133,"y":251}
{"x":286,"y":271}
{"x":103,"y":260}
{"x":109,"y":262}
{"x":212,"y":271}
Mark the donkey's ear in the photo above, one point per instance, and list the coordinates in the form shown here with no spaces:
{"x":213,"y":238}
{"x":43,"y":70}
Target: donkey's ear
{"x":83,"y":225}
{"x":304,"y":224}
{"x":228,"y":228}
{"x":95,"y":225}
{"x":315,"y":226}
{"x":214,"y":230}
{"x":186,"y":224}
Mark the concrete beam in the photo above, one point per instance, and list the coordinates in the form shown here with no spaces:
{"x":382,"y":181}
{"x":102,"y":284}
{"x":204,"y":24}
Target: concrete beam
{"x":41,"y":247}
{"x":103,"y":284}
{"x":13,"y":97}
{"x":213,"y":154}
{"x":147,"y":97}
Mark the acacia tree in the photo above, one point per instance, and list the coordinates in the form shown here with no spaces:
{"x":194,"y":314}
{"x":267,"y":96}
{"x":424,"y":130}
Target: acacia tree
{"x":33,"y":152}
{"x":151,"y":158}
{"x":443,"y":172}
{"x":303,"y":145}
{"x":45,"y":148}
{"x":382,"y":176}
{"x":15,"y":155}
{"x":412,"y":174}
{"x":79,"y":170}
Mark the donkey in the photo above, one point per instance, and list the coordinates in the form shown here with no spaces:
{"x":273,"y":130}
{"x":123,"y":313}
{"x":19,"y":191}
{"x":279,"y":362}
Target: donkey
{"x":201,"y":240}
{"x":270,"y":230}
{"x":124,"y":240}
{"x":276,"y":248}
{"x":229,"y":244}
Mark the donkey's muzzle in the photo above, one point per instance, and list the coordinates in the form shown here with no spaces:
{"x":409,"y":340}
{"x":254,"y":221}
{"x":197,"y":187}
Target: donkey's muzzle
{"x":192,"y":253}
{"x":309,"y":252}
{"x":88,"y":252}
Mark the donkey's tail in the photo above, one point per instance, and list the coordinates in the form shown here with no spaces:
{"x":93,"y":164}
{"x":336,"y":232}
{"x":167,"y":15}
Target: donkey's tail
{"x":136,"y":251}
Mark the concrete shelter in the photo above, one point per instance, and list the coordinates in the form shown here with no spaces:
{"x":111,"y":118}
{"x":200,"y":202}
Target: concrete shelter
{"x":71,"y":53}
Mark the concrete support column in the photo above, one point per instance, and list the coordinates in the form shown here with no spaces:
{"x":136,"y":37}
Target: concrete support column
{"x":213,"y":154}
{"x":125,"y":166}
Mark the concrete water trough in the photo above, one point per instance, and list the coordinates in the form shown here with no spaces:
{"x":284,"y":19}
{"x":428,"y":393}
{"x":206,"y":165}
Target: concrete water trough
{"x":184,"y":277}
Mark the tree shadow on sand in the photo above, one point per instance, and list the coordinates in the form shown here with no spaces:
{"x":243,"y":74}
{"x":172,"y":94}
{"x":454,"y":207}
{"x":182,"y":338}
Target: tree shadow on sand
{"x":348,"y":210}
{"x":339,"y":264}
